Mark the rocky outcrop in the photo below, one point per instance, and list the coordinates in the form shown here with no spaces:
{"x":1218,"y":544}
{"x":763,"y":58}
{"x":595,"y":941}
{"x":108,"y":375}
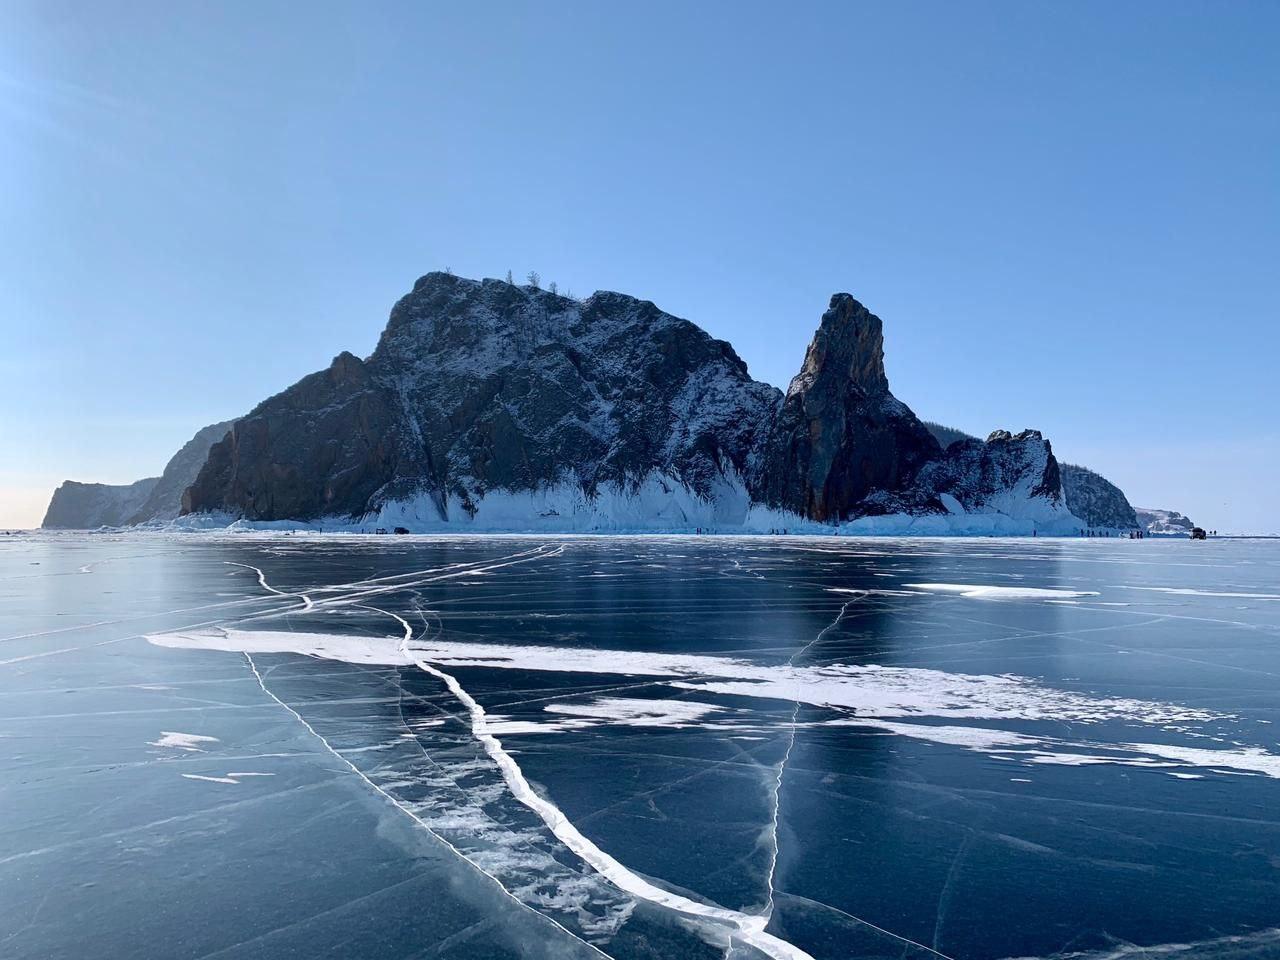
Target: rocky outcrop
{"x":1008,"y":473}
{"x":488,"y":405}
{"x":1096,"y":500}
{"x":477,"y":386}
{"x":165,"y":500}
{"x":982,"y":476}
{"x":86,"y":506}
{"x":841,"y":436}
{"x":325,"y":445}
{"x":487,"y":393}
{"x":1164,"y":522}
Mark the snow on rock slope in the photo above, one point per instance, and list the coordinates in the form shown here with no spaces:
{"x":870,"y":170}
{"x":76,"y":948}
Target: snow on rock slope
{"x":492,"y":406}
{"x":1164,"y":522}
{"x":1098,"y":502}
{"x":1008,"y":484}
{"x":480,"y":387}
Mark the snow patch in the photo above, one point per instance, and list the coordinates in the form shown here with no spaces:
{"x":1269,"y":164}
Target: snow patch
{"x":638,"y":713}
{"x":233,"y":778}
{"x":868,"y":690}
{"x":1057,"y":751}
{"x":170,"y":739}
{"x":977,"y":591}
{"x":1188,"y":592}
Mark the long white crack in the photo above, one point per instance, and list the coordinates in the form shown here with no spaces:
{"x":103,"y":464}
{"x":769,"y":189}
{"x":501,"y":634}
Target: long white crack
{"x":742,"y":927}
{"x":409,"y":813}
{"x":786,"y":756}
{"x":262,"y":582}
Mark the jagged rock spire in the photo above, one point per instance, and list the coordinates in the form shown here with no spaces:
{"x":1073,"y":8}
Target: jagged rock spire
{"x":847,"y":347}
{"x":841,"y":434}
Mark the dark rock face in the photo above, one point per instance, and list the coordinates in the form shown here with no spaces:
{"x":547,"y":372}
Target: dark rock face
{"x":483,"y":385}
{"x":1096,"y":500}
{"x":841,"y":435}
{"x":325,"y":443}
{"x":86,"y":506}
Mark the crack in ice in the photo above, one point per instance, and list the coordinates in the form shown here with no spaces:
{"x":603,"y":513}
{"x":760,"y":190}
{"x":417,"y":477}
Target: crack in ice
{"x":406,"y":810}
{"x":262,"y":582}
{"x":746,"y":928}
{"x":786,"y":756}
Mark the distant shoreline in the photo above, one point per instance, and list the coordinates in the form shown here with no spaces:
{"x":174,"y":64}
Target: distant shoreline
{"x":621,"y":534}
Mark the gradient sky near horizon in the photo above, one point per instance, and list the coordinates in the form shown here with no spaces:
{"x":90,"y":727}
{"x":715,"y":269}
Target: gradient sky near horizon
{"x":1068,"y":215}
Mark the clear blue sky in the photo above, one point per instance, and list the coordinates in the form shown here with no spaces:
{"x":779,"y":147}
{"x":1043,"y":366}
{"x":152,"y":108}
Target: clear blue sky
{"x":1067,"y":214}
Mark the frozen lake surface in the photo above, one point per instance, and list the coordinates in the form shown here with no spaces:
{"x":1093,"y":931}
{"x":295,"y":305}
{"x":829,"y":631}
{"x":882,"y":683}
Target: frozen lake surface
{"x":653,"y":747}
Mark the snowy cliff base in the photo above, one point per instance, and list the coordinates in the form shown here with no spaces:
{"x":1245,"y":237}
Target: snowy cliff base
{"x":662,"y":504}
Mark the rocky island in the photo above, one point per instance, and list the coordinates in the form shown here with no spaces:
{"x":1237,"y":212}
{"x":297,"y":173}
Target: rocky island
{"x":488,"y":405}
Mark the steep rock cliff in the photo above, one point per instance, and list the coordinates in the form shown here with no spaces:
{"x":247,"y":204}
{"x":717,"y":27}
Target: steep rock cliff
{"x":841,"y":436}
